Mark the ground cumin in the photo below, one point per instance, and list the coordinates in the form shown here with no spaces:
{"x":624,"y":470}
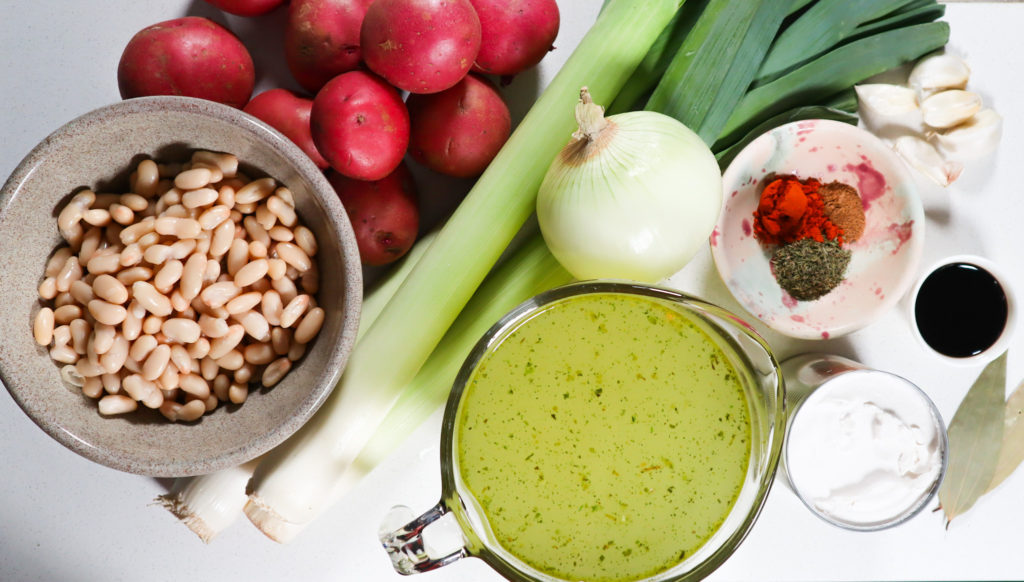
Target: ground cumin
{"x":844,"y":208}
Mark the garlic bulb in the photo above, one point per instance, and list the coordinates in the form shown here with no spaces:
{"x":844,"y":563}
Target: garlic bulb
{"x":923,"y":157}
{"x":975,"y":138}
{"x":889,"y":110}
{"x":632,"y":196}
{"x":938,"y":72}
{"x":948,"y":108}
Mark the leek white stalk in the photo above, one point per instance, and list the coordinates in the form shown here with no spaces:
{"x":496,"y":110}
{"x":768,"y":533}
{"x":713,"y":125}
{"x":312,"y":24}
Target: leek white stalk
{"x":295,"y":481}
{"x":632,"y":196}
{"x":208,"y":504}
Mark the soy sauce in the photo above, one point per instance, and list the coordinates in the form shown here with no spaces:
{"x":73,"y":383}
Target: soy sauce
{"x":961,"y":310}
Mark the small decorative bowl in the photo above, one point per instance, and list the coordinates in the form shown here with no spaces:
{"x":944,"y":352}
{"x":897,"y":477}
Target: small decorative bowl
{"x":97,"y":150}
{"x":884,"y":259}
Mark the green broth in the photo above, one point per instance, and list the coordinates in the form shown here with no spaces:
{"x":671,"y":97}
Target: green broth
{"x":605,"y":439}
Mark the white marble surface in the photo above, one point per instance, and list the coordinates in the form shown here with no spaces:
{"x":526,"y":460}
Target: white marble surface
{"x":63,"y":518}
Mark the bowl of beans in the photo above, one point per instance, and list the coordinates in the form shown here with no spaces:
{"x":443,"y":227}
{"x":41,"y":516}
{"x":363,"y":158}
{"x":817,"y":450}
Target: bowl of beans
{"x":182,"y":286}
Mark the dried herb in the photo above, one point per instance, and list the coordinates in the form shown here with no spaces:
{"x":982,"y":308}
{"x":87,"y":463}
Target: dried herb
{"x":975,"y":438}
{"x":808,"y":269}
{"x":1011,"y":453}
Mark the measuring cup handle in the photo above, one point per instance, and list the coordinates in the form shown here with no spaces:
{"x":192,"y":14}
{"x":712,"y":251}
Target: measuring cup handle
{"x":405,"y":545}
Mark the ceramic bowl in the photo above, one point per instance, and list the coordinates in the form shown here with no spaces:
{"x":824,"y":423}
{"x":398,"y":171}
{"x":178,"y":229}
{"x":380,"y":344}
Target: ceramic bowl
{"x":884,"y":259}
{"x":98,"y":150}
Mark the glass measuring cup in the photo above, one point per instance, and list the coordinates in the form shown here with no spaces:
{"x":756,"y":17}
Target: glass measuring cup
{"x":759,"y":380}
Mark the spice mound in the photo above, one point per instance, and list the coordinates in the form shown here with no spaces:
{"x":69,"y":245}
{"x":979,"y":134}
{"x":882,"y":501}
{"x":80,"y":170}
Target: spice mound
{"x":844,"y":208}
{"x":808,"y":269}
{"x":806,"y":223}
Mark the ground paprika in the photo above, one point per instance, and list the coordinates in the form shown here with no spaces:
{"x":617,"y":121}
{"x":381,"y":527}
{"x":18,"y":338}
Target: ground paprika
{"x":790,"y":210}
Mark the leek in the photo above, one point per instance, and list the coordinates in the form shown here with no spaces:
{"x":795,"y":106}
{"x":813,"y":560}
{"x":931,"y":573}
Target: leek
{"x":295,"y":481}
{"x":650,"y":70}
{"x":835,"y":71}
{"x":716,"y":63}
{"x":823,"y":26}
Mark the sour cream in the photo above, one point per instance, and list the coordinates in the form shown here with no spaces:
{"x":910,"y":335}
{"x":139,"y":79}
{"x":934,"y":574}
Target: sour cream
{"x":865,"y":449}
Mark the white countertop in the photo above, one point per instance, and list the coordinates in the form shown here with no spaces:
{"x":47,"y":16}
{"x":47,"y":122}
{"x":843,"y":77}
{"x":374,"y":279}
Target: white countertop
{"x":63,"y":518}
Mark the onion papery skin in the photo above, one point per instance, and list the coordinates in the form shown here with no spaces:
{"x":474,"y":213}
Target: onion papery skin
{"x":637,"y":206}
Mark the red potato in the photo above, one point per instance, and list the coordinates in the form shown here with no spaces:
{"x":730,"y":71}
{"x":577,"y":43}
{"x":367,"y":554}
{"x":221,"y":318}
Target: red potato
{"x":421,"y":46}
{"x":384,"y":213}
{"x":516,"y":34}
{"x":190,"y":56}
{"x":321,"y":39}
{"x":360,"y":125}
{"x":459,"y":130}
{"x":288,"y":113}
{"x":246,"y":7}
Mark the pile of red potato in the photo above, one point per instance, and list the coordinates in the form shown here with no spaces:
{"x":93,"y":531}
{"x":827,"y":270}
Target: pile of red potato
{"x":357,"y":58}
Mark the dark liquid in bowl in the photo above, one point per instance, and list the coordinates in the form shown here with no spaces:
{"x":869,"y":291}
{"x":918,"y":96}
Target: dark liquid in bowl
{"x":961,"y":310}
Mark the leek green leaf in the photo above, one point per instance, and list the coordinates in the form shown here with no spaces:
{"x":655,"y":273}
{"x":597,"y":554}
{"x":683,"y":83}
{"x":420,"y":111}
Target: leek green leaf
{"x":1012,"y":451}
{"x":975,"y":437}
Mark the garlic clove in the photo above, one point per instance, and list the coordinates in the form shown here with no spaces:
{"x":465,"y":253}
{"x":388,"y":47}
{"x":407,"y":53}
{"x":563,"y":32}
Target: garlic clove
{"x":888,"y":110}
{"x":949,"y":108}
{"x":938,"y":72}
{"x":923,"y":157}
{"x":975,"y":138}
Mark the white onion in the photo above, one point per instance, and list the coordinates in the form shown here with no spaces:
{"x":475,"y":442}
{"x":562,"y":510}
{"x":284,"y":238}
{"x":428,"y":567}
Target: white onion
{"x":632,"y":196}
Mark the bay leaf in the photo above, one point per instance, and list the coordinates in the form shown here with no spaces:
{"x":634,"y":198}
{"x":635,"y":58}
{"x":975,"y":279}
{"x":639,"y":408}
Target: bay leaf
{"x":1011,"y":454}
{"x":975,"y":438}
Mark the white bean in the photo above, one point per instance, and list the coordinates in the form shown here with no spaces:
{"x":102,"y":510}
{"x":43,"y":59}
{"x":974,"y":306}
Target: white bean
{"x":192,"y":276}
{"x":195,"y":385}
{"x":193,"y":179}
{"x":232,"y":360}
{"x":48,"y":288}
{"x":309,"y":326}
{"x":179,"y":227}
{"x":181,"y":330}
{"x":214,"y":216}
{"x":82,"y":292}
{"x":237,"y":393}
{"x":238,"y":255}
{"x":191,"y":411}
{"x":113,"y":360}
{"x":275,"y":371}
{"x":103,"y":337}
{"x":255,"y":325}
{"x":255,"y":191}
{"x":224,"y":344}
{"x":110,"y":289}
{"x":167,"y":276}
{"x":80,"y":330}
{"x":42,"y":328}
{"x":294,"y":310}
{"x":156,"y":362}
{"x":113,"y":404}
{"x":251,"y":272}
{"x":150,"y":299}
{"x":306,"y":241}
{"x":108,"y":313}
{"x":223,"y":236}
{"x":134,"y":275}
{"x":199,"y":197}
{"x":141,"y":347}
{"x":284,"y":213}
{"x":258,"y":354}
{"x":244,"y":302}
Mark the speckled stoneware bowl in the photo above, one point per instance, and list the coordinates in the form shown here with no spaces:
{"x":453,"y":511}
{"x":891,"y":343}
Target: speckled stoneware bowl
{"x":884,"y":259}
{"x":97,"y":151}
